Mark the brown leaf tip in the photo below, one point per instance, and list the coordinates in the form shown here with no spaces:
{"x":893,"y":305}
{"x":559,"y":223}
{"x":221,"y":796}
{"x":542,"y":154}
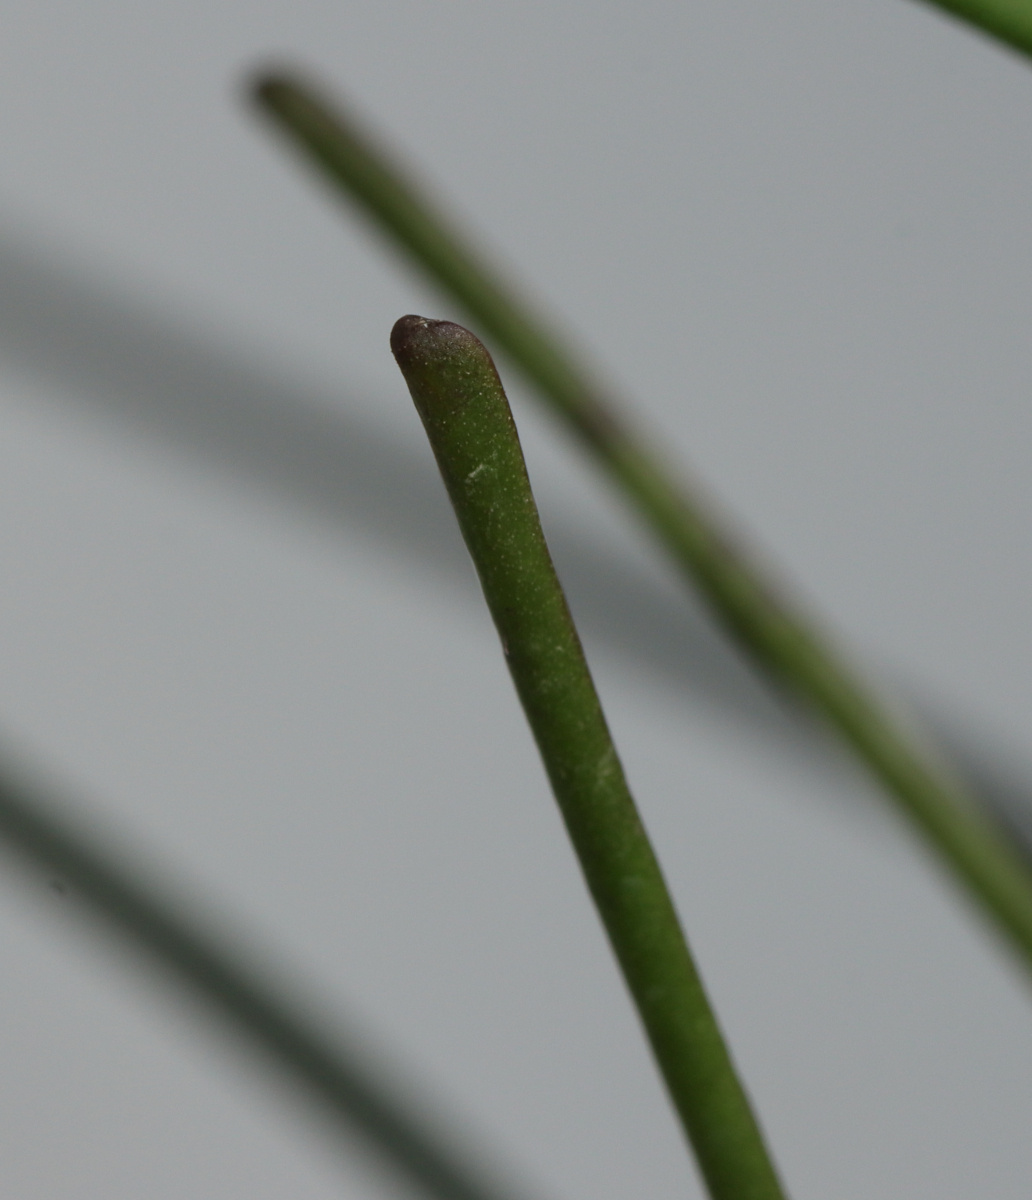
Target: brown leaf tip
{"x":271,"y":85}
{"x":420,"y":340}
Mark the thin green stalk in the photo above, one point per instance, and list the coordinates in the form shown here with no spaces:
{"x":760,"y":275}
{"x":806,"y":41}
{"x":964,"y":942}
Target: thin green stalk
{"x":459,"y":396}
{"x":1010,"y":21}
{"x":776,"y":633}
{"x":326,"y":1070}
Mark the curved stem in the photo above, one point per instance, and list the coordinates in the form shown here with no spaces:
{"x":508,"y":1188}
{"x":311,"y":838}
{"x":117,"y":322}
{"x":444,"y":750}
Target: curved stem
{"x":776,"y":632}
{"x":459,"y":396}
{"x":332,"y":1076}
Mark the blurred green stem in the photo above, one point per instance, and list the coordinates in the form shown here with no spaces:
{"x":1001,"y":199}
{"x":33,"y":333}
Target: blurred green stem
{"x":1010,"y":21}
{"x":335,"y":1079}
{"x":459,"y":396}
{"x":776,"y":632}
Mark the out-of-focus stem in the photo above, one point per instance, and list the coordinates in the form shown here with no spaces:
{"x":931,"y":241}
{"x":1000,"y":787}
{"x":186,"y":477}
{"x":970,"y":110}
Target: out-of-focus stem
{"x":1009,"y":21}
{"x":357,"y":1101}
{"x":775,"y":631}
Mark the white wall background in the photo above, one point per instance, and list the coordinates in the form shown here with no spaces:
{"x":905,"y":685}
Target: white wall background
{"x":236,"y":622}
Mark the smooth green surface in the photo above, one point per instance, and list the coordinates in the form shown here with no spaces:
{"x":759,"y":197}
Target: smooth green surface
{"x":756,"y":611}
{"x":1008,"y":20}
{"x":466,"y":415}
{"x":320,"y":1065}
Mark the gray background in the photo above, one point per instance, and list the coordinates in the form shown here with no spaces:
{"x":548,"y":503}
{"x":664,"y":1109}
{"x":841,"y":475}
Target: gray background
{"x":238,"y":625}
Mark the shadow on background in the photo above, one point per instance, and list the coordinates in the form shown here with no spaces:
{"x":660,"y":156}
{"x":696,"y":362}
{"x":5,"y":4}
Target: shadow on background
{"x":129,"y":361}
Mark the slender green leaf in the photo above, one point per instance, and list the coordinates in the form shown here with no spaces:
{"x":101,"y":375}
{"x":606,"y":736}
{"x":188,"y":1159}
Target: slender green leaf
{"x":758,"y":612}
{"x":333,"y":1076}
{"x":459,"y":396}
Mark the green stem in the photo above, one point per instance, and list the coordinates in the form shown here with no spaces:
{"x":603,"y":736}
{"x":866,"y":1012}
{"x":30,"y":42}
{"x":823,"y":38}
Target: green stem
{"x":333,"y":1077}
{"x":459,"y":396}
{"x":777,"y":634}
{"x":1010,"y":21}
